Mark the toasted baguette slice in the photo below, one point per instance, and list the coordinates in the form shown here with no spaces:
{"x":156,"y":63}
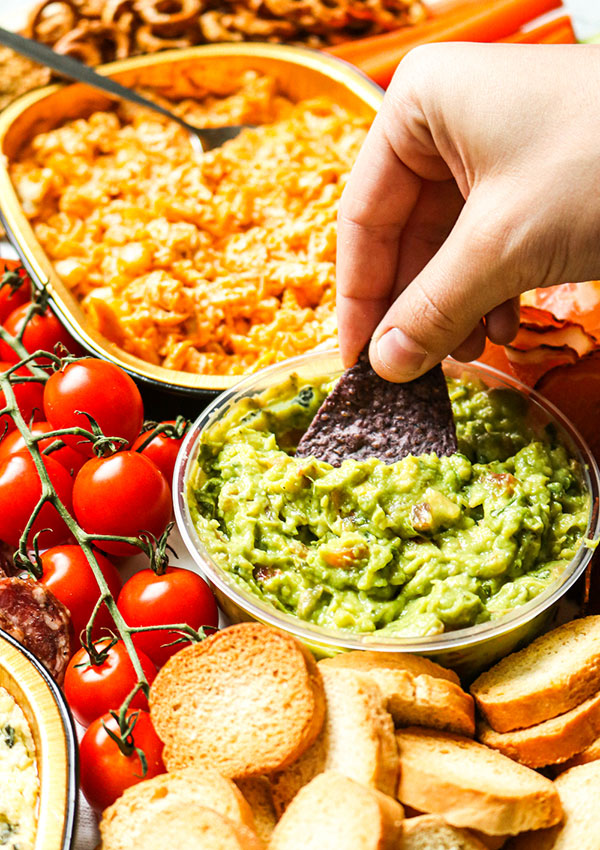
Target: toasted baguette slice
{"x":414,"y":692}
{"x":579,"y":790}
{"x":591,"y":753}
{"x":552,"y":675}
{"x":471,"y":785}
{"x":333,"y":812}
{"x":357,"y":739}
{"x":126,"y":820}
{"x":550,"y":742}
{"x":432,"y":832}
{"x":246,"y":701}
{"x":189,"y":827}
{"x":366,"y":660}
{"x":259,"y":796}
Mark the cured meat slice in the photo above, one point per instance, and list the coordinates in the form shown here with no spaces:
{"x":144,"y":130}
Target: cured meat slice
{"x":578,"y":302}
{"x":575,"y":389}
{"x":529,"y":366}
{"x":35,"y":617}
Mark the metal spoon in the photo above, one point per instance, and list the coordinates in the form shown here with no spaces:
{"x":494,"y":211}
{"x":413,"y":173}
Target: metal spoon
{"x":201,"y":139}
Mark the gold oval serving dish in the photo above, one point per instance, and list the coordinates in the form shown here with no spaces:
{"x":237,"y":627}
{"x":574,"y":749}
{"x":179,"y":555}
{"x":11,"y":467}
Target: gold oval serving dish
{"x":299,"y":73}
{"x":46,"y":713}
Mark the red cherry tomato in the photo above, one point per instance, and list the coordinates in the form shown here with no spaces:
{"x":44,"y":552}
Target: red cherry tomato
{"x":162,"y":450}
{"x":20,"y":491}
{"x":91,"y":689}
{"x":11,"y":298}
{"x":104,"y":771}
{"x":125,"y":494}
{"x":28,"y":397}
{"x":69,"y":576}
{"x":67,"y":457}
{"x":43,"y":331}
{"x":176,"y":596}
{"x":99,"y":388}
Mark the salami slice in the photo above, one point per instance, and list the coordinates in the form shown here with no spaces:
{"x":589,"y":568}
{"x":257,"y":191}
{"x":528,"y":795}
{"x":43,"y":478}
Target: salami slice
{"x":34,"y":616}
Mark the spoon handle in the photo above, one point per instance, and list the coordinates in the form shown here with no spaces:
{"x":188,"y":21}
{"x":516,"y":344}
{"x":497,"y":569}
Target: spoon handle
{"x":76,"y":70}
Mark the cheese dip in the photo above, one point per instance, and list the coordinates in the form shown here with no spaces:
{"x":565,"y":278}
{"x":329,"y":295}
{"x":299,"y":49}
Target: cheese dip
{"x":19,"y":780}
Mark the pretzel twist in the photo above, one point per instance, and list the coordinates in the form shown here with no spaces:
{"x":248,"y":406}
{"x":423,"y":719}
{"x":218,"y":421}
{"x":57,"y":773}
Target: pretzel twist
{"x":49,"y":26}
{"x":94,"y":42}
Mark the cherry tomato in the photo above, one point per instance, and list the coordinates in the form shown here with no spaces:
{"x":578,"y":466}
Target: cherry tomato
{"x":43,"y":331}
{"x":99,"y":388}
{"x":104,"y":771}
{"x":20,"y":491}
{"x":162,"y":450}
{"x":11,"y":298}
{"x":67,"y":457}
{"x":93,"y":689}
{"x":176,"y":596}
{"x":28,"y":397}
{"x":124,"y":494}
{"x":69,"y":576}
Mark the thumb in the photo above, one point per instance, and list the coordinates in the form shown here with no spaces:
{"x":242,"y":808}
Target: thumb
{"x":443,"y":305}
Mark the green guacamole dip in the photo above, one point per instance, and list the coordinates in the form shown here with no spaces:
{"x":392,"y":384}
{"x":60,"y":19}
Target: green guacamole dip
{"x":418,"y":547}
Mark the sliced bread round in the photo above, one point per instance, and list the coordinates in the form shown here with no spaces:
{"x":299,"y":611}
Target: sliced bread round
{"x":579,"y":790}
{"x":552,"y":675}
{"x":415,"y":694}
{"x":432,"y":832}
{"x":126,"y":821}
{"x":333,"y":812}
{"x":247,"y":701}
{"x":550,"y":742}
{"x":357,"y":739}
{"x":191,"y":828}
{"x":368,"y":659}
{"x":471,"y":785}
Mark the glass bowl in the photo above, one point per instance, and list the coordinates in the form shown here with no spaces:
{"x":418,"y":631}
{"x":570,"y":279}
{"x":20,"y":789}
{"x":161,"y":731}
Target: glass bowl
{"x":466,"y":650}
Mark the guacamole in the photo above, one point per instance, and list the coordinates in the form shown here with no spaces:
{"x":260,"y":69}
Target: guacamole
{"x":417,"y":547}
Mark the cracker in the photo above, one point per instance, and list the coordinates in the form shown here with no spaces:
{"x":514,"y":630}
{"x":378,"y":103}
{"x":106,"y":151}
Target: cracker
{"x":365,"y":416}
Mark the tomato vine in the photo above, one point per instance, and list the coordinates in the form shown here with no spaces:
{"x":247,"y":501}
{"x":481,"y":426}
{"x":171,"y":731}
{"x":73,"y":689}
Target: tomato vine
{"x":103,"y":445}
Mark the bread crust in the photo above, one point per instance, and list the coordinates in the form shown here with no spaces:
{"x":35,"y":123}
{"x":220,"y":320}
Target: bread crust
{"x":367,"y":659}
{"x":357,"y":740}
{"x":333,"y":811}
{"x":124,"y":821}
{"x":417,"y":691}
{"x":432,"y":832}
{"x":247,"y":701}
{"x":550,"y":742}
{"x":579,"y":790}
{"x":471,"y":785}
{"x":567,"y":663}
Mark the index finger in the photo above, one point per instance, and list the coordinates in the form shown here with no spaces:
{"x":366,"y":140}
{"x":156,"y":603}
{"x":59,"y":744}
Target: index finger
{"x":375,"y":206}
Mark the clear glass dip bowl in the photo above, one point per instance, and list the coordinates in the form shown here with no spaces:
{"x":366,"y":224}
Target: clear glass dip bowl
{"x":466,"y":650}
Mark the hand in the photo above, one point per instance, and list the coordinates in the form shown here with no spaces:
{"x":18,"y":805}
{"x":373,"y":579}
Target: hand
{"x":479,"y":179}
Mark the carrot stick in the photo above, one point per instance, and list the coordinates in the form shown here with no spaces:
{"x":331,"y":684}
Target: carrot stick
{"x":539,"y":34}
{"x":379,"y":55}
{"x":564,"y":35}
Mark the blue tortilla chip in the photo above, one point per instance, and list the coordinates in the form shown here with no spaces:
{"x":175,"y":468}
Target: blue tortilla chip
{"x":365,"y":416}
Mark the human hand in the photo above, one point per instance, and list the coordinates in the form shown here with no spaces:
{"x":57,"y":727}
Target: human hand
{"x":479,"y":179}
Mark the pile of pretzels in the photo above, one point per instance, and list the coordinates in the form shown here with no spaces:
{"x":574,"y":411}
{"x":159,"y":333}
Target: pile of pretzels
{"x":97,"y":31}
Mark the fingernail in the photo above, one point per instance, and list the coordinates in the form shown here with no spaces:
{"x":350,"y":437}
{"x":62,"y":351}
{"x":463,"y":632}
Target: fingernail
{"x":399,"y":353}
